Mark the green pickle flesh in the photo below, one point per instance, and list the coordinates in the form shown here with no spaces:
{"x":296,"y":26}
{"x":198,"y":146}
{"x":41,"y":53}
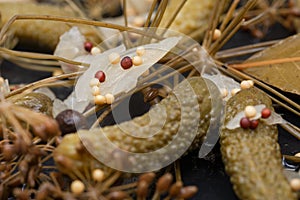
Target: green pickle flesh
{"x":191,"y":115}
{"x":36,"y":101}
{"x":252,"y":158}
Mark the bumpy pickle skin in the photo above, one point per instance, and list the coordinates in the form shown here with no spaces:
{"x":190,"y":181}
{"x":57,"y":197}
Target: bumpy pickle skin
{"x":36,"y":101}
{"x":252,"y":158}
{"x":168,"y":132}
{"x":193,"y":16}
{"x":40,"y":33}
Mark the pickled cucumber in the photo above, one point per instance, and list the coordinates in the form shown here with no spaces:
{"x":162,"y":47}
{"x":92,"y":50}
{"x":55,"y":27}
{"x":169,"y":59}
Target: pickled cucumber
{"x":36,"y":101}
{"x":40,"y":33}
{"x":191,"y":112}
{"x":252,"y":157}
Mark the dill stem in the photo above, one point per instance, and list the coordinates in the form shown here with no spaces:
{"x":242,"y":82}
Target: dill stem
{"x":292,"y":158}
{"x":122,"y":187}
{"x":208,"y":34}
{"x":148,"y":20}
{"x":244,"y":50}
{"x":156,"y":195}
{"x":243,"y":75}
{"x":17,"y":126}
{"x":72,"y":20}
{"x":102,"y":116}
{"x":10,"y":178}
{"x":177,"y":171}
{"x":47,"y":158}
{"x":46,"y":148}
{"x":231,"y":28}
{"x":156,"y":21}
{"x":159,"y":13}
{"x":292,"y":129}
{"x":111,"y":180}
{"x":264,"y":63}
{"x":41,"y":82}
{"x":127,"y":42}
{"x":55,"y":182}
{"x":172,"y":18}
{"x":219,"y":43}
{"x":229,"y":14}
{"x":29,"y":60}
{"x":41,"y":56}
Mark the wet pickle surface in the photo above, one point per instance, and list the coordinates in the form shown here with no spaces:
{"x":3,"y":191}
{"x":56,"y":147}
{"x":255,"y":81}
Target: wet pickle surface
{"x":252,"y":158}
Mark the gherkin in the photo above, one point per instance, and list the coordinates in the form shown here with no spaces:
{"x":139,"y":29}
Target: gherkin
{"x":40,"y":33}
{"x":179,"y":120}
{"x":36,"y":101}
{"x":252,"y":157}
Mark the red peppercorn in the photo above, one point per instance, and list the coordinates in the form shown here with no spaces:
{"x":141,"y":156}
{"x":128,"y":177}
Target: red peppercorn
{"x":88,"y":46}
{"x":100,"y":75}
{"x":253,"y":124}
{"x":126,"y":62}
{"x":265,"y":113}
{"x":245,"y":122}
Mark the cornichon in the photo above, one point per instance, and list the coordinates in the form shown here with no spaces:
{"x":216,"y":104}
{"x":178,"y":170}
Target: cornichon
{"x":174,"y":119}
{"x":36,"y":101}
{"x":252,"y":158}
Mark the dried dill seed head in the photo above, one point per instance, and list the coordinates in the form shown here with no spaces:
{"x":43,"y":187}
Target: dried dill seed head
{"x":1,"y":190}
{"x":142,"y":189}
{"x":48,"y":129}
{"x":8,"y":151}
{"x":52,"y":127}
{"x":117,"y":195}
{"x":188,"y":192}
{"x":20,"y":146}
{"x":21,"y":194}
{"x":164,"y":183}
{"x":164,"y":186}
{"x":23,"y":167}
{"x":36,"y":101}
{"x":175,"y":189}
{"x":44,"y":190}
{"x":64,"y":161}
{"x":147,"y":177}
{"x":1,"y":131}
{"x":70,"y":120}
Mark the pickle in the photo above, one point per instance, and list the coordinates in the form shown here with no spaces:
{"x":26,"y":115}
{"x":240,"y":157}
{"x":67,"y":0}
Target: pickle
{"x":252,"y":158}
{"x":194,"y":114}
{"x":40,"y":33}
{"x":193,"y":16}
{"x":36,"y":101}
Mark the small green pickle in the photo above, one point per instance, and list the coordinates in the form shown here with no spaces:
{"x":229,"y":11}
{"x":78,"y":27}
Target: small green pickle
{"x":36,"y":101}
{"x":168,"y":119}
{"x":252,"y":158}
